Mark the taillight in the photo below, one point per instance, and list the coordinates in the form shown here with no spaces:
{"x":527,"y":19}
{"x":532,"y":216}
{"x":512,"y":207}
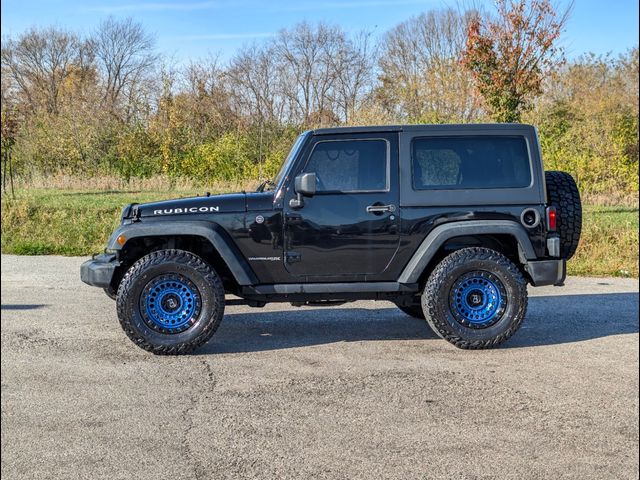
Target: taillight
{"x":552,"y":218}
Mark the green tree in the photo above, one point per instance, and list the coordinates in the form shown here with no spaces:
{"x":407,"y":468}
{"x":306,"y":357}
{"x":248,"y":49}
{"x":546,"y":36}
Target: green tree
{"x":588,"y":122}
{"x":509,"y":55}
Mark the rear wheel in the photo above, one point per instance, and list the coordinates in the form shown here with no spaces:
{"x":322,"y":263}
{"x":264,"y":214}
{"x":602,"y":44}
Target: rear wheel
{"x":170,"y":302}
{"x":475,"y":298}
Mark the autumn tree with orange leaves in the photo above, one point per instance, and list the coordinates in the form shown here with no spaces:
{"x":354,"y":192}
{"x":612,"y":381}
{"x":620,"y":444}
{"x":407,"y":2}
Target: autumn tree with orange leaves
{"x":509,"y":54}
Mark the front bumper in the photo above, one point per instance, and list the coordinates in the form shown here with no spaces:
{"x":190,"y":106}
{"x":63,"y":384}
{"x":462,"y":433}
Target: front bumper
{"x":99,"y":271}
{"x":547,"y":272}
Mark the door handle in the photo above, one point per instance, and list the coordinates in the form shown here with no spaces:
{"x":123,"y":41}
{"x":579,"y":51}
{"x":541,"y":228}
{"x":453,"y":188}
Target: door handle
{"x":381,"y":208}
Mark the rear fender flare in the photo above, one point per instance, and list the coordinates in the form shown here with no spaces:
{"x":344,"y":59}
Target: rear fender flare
{"x":440,"y":234}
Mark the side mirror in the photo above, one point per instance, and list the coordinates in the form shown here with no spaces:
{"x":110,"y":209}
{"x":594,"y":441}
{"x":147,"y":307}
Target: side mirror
{"x":305,"y":185}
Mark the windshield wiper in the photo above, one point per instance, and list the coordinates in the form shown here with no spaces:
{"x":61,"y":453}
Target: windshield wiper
{"x":263,"y":185}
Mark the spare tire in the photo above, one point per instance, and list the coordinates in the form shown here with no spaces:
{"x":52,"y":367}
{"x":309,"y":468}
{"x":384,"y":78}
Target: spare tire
{"x":562,"y":193}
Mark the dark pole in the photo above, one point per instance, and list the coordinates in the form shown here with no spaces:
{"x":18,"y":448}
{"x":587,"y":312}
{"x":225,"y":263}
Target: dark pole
{"x":8,"y":154}
{"x":4,"y":169}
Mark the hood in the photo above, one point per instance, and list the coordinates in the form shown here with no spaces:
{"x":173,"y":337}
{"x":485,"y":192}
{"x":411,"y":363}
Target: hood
{"x":204,"y":205}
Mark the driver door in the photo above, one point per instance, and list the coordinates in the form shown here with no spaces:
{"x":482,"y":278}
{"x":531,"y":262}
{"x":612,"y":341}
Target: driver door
{"x":349,"y":228}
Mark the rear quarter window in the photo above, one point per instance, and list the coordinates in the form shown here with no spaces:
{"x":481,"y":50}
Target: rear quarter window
{"x":470,"y":162}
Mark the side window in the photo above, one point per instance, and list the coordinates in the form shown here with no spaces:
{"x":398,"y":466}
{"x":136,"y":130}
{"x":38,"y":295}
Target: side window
{"x":350,"y":165}
{"x":470,"y":162}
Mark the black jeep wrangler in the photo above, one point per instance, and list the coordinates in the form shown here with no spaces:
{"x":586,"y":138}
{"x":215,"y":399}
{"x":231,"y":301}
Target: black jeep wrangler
{"x":449,"y":222}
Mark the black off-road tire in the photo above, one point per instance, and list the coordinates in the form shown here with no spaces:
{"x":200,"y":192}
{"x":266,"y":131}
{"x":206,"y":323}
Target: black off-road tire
{"x":195,"y":271}
{"x":414,"y":311}
{"x":562,"y":193}
{"x":436,"y":300}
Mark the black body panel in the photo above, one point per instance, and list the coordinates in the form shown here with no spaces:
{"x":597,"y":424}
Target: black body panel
{"x":335,"y":239}
{"x":195,"y":206}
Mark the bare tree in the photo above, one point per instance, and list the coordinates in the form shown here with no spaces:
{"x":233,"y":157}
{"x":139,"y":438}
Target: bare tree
{"x":40,"y":63}
{"x":126,"y":57}
{"x":207,"y":97}
{"x":420,"y":74}
{"x":353,"y":68}
{"x":8,"y":89}
{"x":309,"y":75}
{"x":255,"y":85}
{"x":307,"y":62}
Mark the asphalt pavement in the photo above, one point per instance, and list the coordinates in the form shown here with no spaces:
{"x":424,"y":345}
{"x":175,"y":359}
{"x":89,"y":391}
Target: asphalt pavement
{"x":359,"y":391}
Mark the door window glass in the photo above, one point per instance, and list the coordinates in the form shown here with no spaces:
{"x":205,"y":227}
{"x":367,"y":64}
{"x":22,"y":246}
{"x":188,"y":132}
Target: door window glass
{"x":350,"y":165}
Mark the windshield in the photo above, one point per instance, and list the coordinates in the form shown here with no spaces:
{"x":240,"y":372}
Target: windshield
{"x":287,"y":163}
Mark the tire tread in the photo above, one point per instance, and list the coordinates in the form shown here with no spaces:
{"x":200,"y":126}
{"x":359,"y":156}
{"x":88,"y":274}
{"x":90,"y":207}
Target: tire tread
{"x":563,"y":194}
{"x":432,"y":295}
{"x":156,"y":258}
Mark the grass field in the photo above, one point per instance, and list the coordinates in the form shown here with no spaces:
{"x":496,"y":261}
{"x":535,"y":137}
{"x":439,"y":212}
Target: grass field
{"x":42,"y":221}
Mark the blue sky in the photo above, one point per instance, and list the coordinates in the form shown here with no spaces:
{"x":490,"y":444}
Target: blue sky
{"x":191,"y":29}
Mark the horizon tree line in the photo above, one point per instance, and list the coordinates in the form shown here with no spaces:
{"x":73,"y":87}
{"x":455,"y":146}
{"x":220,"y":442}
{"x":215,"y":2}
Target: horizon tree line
{"x":109,"y":102}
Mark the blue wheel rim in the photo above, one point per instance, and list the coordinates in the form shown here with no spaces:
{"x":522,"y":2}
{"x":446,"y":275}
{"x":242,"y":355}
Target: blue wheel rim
{"x":477,"y":299}
{"x":170,"y":303}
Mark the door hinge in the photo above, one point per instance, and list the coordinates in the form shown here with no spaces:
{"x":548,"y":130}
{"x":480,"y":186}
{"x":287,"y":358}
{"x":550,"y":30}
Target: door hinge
{"x":292,"y":257}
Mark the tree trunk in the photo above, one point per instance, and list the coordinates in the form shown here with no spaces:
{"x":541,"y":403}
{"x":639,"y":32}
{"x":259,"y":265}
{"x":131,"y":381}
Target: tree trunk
{"x":8,"y":154}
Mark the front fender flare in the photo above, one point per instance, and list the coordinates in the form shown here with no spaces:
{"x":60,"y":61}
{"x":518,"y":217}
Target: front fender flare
{"x":212,"y":232}
{"x":440,"y":234}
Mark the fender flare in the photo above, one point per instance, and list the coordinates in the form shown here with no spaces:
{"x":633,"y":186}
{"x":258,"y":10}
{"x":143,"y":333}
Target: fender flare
{"x":210,"y":231}
{"x":440,"y":234}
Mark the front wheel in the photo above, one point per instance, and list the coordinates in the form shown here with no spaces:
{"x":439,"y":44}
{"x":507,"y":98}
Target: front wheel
{"x":170,"y":302}
{"x":475,"y":298}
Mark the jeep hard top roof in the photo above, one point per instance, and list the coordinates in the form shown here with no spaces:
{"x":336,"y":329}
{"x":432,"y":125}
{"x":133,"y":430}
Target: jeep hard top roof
{"x":469,"y":127}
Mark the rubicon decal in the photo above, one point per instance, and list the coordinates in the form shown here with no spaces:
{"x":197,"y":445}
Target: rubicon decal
{"x":174,"y":211}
